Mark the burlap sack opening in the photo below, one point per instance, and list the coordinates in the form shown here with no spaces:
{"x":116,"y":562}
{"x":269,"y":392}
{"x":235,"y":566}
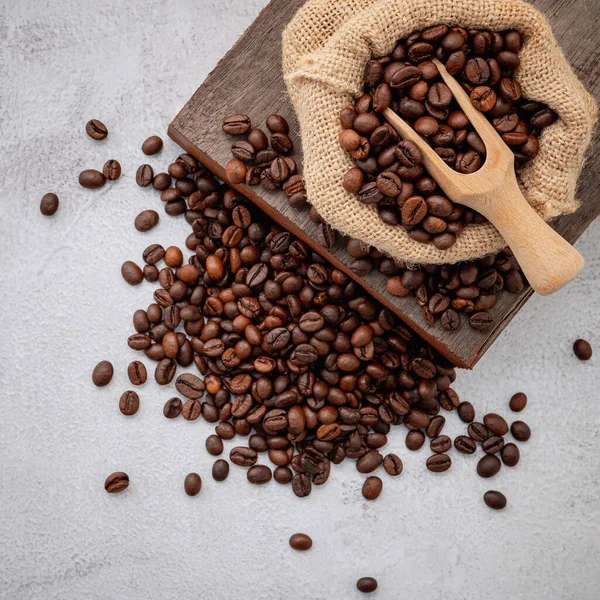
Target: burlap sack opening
{"x":325,"y":49}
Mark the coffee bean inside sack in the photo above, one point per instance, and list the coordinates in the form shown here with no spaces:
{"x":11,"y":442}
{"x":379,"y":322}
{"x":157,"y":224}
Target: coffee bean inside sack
{"x":389,"y":173}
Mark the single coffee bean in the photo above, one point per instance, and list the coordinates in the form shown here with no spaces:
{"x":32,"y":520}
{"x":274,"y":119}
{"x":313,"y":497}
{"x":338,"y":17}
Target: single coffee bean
{"x":243,"y":457}
{"x":97,"y":130}
{"x":49,"y":204}
{"x":366,"y":585}
{"x":369,"y":462}
{"x":510,"y":455}
{"x":111,"y":170}
{"x":277,"y":124}
{"x":493,"y":444}
{"x":172,"y":408}
{"x":214,"y":445}
{"x":102,"y":374}
{"x":483,"y":98}
{"x":440,"y":444}
{"x":146,"y":220}
{"x":91,"y":179}
{"x":300,"y":542}
{"x":282,"y":143}
{"x":191,"y":410}
{"x":478,"y":432}
{"x":495,"y":500}
{"x":283,"y":475}
{"x":237,"y":125}
{"x":165,"y":371}
{"x":520,"y":431}
{"x":301,"y":485}
{"x":415,"y":440}
{"x":465,"y":444}
{"x":152,"y":145}
{"x":136,"y":371}
{"x":488,"y":466}
{"x":190,"y":386}
{"x":582,"y":350}
{"x":438,"y":463}
{"x":220,"y":470}
{"x":371,"y":489}
{"x":131,"y":273}
{"x":496,"y":424}
{"x":144,"y":175}
{"x":129,"y":403}
{"x":116,"y":482}
{"x":518,"y":402}
{"x":192,"y":484}
{"x":393,"y":465}
{"x":466,"y":412}
{"x":259,"y":475}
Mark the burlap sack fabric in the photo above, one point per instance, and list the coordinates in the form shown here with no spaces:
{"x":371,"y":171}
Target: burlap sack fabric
{"x":325,"y":49}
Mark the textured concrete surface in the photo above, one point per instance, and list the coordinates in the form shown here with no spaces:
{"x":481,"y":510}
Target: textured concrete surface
{"x":65,"y":307}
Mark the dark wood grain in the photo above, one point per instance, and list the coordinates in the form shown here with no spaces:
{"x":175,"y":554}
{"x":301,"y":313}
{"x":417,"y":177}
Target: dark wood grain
{"x":248,"y":80}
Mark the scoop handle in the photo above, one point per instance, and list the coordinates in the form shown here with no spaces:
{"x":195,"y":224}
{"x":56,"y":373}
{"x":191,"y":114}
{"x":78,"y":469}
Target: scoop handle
{"x":548,"y":261}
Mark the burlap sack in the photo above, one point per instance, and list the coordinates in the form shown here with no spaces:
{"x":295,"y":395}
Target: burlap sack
{"x":325,"y":49}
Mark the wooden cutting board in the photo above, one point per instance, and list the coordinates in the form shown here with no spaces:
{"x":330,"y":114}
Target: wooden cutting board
{"x":248,"y":80}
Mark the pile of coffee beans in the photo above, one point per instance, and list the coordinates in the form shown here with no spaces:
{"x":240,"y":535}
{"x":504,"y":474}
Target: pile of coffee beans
{"x":389,"y":172}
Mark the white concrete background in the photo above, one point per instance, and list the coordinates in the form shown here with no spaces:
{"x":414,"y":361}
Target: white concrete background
{"x":64,"y":307}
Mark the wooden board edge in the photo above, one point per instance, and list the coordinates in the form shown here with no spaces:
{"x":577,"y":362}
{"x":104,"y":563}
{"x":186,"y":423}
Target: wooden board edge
{"x":461,"y":362}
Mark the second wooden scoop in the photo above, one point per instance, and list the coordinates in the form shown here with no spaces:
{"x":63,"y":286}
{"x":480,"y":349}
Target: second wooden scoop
{"x":548,"y":261}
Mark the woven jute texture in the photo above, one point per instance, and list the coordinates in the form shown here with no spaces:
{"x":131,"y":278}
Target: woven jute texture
{"x":325,"y":49}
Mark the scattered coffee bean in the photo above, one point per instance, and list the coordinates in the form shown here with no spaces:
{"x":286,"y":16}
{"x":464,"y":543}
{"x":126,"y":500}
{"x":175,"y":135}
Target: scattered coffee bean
{"x":146,"y":220}
{"x":131,"y":273}
{"x":496,"y":424}
{"x":237,"y":125}
{"x":144,"y":175}
{"x":129,"y":403}
{"x":488,"y":466}
{"x":172,"y":408}
{"x":49,"y":204}
{"x":495,"y":500}
{"x":372,"y":487}
{"x":440,"y":444}
{"x":102,"y":374}
{"x":116,"y":482}
{"x":466,"y":412}
{"x":214,"y":445}
{"x":366,"y":585}
{"x":510,"y":455}
{"x":465,"y":444}
{"x":520,"y":431}
{"x":301,"y":542}
{"x":191,"y":410}
{"x":438,"y":463}
{"x":582,"y":350}
{"x":478,"y":432}
{"x":518,"y":402}
{"x":97,"y":130}
{"x":136,"y":371}
{"x":192,"y":484}
{"x":91,"y":179}
{"x":220,"y":470}
{"x":152,"y":145}
{"x":259,"y":474}
{"x":393,"y":465}
{"x":111,"y":170}
{"x":415,"y":440}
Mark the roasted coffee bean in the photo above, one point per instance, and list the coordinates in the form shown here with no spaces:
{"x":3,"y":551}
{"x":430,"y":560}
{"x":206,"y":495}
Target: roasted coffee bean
{"x":97,"y":130}
{"x":495,"y":500}
{"x":91,"y":179}
{"x":496,"y":424}
{"x":438,"y":463}
{"x":440,"y":444}
{"x":152,"y":145}
{"x":191,"y":410}
{"x":366,"y":585}
{"x":300,"y":542}
{"x":49,"y":204}
{"x":415,"y":440}
{"x":131,"y":273}
{"x":165,"y":371}
{"x":466,"y":412}
{"x":116,"y":482}
{"x":237,"y":124}
{"x":369,"y":462}
{"x":301,"y":485}
{"x":243,"y":457}
{"x":277,"y":124}
{"x":582,"y":350}
{"x":129,"y":403}
{"x":493,"y":444}
{"x":192,"y":484}
{"x":393,"y":465}
{"x":220,"y":470}
{"x":190,"y":386}
{"x":136,"y":371}
{"x":146,"y":220}
{"x":102,"y":374}
{"x":372,"y":487}
{"x":259,"y":474}
{"x":488,"y":466}
{"x":520,"y":431}
{"x":111,"y":170}
{"x":144,"y":175}
{"x":510,"y":455}
{"x":518,"y":402}
{"x":464,"y":444}
{"x":172,"y":408}
{"x":478,"y":432}
{"x":283,"y":475}
{"x":435,"y":426}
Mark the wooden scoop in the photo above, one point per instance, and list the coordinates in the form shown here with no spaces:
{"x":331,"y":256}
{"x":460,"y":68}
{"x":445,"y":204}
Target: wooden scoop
{"x":548,"y":261}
